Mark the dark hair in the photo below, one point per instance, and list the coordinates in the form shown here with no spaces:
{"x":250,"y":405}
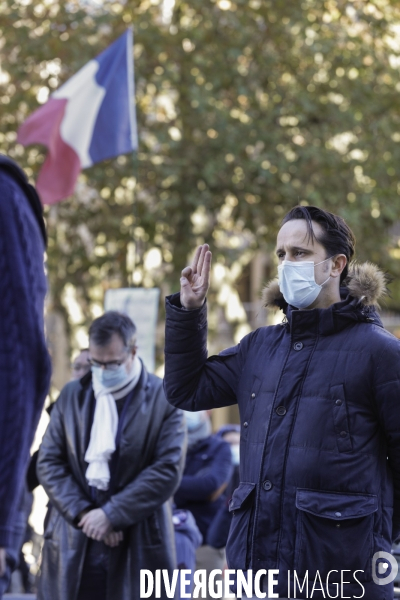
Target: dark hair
{"x":337,"y":237}
{"x":103,"y":328}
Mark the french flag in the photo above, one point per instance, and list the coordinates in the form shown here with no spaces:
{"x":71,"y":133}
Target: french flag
{"x":88,"y":119}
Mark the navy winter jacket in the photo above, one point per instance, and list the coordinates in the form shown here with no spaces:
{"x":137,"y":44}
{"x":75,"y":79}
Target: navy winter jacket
{"x":24,"y":360}
{"x":218,"y":531}
{"x":208,"y":467}
{"x":319,"y":401}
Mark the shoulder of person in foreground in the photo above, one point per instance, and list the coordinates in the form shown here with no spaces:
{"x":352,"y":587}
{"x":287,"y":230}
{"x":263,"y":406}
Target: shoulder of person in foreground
{"x":14,"y":184}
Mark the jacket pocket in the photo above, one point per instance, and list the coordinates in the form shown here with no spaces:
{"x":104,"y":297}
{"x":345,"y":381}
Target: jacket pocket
{"x":239,"y":539}
{"x":341,"y":419}
{"x":151,"y":531}
{"x":334,"y":533}
{"x":52,"y":522}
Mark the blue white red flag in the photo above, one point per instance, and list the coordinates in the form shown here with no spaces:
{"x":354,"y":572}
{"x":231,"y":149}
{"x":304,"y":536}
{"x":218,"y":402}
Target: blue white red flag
{"x":88,"y":119}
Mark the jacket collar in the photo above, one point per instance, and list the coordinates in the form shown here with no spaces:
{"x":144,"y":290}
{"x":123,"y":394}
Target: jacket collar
{"x":364,"y":287}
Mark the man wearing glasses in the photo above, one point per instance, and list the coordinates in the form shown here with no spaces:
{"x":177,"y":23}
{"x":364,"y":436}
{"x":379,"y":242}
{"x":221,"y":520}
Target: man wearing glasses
{"x":110,"y":460}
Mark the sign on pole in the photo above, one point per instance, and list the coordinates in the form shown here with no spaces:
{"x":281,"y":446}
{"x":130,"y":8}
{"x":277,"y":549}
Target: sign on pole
{"x":141,"y":305}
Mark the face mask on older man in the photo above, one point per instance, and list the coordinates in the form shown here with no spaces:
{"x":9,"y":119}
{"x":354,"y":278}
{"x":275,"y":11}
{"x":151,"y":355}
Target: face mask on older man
{"x":111,"y":379}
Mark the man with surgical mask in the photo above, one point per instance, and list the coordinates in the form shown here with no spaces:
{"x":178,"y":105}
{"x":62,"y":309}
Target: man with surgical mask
{"x":319,"y":403}
{"x":110,"y":460}
{"x":208,"y":470}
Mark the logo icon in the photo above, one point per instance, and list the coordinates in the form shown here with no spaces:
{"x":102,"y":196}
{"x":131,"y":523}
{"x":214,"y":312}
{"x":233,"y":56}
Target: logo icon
{"x":380,"y":568}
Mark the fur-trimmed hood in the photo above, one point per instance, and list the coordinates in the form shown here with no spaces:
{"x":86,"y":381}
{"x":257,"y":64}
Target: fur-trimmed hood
{"x":365,"y":282}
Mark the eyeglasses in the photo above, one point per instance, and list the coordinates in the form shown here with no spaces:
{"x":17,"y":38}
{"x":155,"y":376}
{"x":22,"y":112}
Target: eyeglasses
{"x":111,"y":365}
{"x":80,"y":366}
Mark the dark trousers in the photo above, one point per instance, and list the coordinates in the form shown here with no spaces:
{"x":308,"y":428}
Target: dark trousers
{"x":94,"y":575}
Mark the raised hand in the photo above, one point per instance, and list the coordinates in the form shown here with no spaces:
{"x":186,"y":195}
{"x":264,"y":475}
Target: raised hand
{"x":195,"y":280}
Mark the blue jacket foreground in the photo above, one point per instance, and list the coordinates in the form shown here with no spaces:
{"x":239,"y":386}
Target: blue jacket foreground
{"x":319,"y":401}
{"x":24,"y":360}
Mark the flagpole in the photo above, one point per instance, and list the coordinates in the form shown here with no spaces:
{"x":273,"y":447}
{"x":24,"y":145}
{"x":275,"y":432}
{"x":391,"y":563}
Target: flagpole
{"x":134,"y":141}
{"x":135,"y":219}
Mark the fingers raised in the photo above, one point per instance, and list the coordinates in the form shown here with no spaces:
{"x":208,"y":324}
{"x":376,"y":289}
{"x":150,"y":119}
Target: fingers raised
{"x":203,"y":252}
{"x":196,"y":259}
{"x":206,"y":268}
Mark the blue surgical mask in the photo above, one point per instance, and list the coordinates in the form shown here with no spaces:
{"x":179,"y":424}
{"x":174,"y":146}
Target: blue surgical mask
{"x":297,"y":282}
{"x":110,"y":379}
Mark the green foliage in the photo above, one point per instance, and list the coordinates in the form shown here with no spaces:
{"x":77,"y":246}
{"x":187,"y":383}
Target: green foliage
{"x":244,"y":109}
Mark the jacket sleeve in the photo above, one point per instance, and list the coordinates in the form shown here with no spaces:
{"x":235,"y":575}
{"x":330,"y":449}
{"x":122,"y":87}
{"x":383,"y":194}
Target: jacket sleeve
{"x":53,"y":469}
{"x":387,"y":396}
{"x":192,"y":381}
{"x":156,"y":483}
{"x":201,"y":486}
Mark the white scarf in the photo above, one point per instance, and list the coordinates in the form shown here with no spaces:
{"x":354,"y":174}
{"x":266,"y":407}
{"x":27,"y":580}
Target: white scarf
{"x":105,"y":426}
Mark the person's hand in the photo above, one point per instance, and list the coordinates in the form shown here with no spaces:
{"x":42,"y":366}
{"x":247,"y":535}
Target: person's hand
{"x":195,"y":280}
{"x":113,"y":538}
{"x":95,"y":524}
{"x":2,"y":561}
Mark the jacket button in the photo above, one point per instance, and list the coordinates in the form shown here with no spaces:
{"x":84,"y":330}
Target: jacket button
{"x":245,"y":424}
{"x":338,"y":402}
{"x":338,"y":514}
{"x":267,"y":485}
{"x":253,"y":395}
{"x":281,"y":410}
{"x":337,"y":524}
{"x":297,"y":346}
{"x":343,"y":433}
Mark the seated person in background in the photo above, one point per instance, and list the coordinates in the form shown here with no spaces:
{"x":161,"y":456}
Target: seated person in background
{"x":208,"y":470}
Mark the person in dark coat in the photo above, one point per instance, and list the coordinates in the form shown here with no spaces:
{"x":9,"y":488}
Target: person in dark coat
{"x":187,"y":539}
{"x":110,"y":460}
{"x":24,"y":360}
{"x":319,"y":402}
{"x":208,"y":469}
